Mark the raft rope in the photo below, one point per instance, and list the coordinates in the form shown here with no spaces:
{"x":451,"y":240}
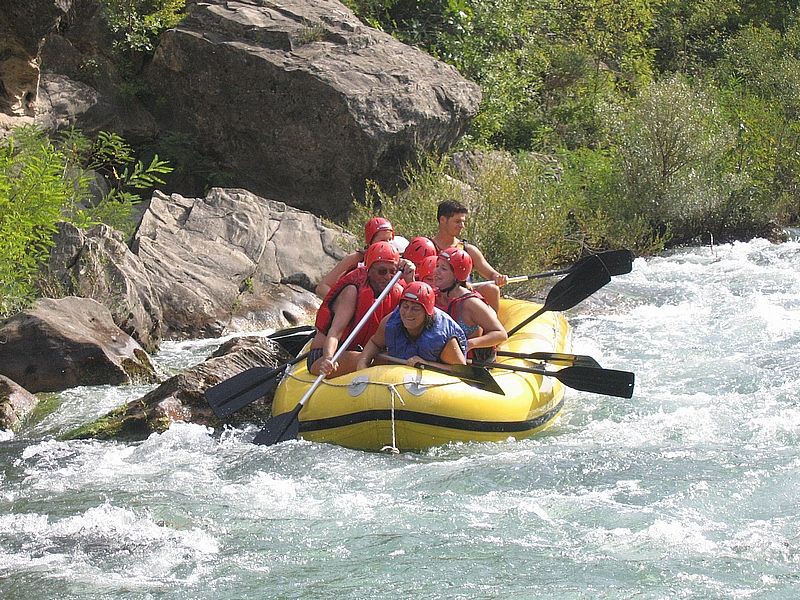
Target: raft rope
{"x":393,"y":449}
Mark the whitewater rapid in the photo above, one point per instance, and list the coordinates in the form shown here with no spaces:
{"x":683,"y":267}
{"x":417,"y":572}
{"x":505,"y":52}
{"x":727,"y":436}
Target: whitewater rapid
{"x":689,"y":489}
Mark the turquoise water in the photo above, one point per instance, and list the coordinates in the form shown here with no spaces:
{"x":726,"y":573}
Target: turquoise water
{"x":687,"y":490}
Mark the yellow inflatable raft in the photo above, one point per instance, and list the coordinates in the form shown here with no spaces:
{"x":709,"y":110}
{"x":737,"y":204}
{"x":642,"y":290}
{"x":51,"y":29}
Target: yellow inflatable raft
{"x":394,"y":406}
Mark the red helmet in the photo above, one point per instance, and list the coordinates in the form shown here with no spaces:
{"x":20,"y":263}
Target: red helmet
{"x":373,"y":226}
{"x":419,"y":248}
{"x":460,"y":262}
{"x":421,"y":293}
{"x":381,"y":251}
{"x":426,"y":267}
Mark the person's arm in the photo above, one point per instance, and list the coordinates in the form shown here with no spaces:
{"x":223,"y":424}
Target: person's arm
{"x":347,"y":264}
{"x":344,"y":307}
{"x":476,"y":311}
{"x":376,"y":344}
{"x":452,"y":354}
{"x":483,"y":267}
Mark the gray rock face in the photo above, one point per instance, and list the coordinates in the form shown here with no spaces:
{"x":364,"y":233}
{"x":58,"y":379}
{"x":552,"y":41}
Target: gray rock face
{"x":301,"y":101}
{"x":181,"y":398}
{"x":232,"y":261}
{"x":64,"y":343}
{"x":15,"y":404}
{"x":23,"y":25}
{"x":97,"y":264}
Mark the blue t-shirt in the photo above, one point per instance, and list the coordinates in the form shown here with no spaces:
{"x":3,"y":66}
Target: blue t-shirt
{"x":431,"y":341}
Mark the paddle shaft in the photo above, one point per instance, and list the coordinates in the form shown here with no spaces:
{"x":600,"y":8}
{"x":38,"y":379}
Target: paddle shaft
{"x":617,"y":262}
{"x":588,"y":379}
{"x":286,"y":426}
{"x":553,"y":357}
{"x":473,"y":375}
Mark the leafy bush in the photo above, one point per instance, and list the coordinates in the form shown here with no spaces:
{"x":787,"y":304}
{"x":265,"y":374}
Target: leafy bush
{"x":523,"y":215}
{"x":136,"y":24}
{"x":43,"y":182}
{"x":672,"y":155}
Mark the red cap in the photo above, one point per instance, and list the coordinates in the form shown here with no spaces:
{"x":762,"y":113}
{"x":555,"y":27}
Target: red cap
{"x":426,"y":267}
{"x":381,"y":251}
{"x":459,"y":261}
{"x":373,"y":226}
{"x":418,"y":249}
{"x":421,"y":293}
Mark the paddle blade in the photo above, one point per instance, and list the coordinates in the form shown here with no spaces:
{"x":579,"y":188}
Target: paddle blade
{"x":599,"y":381}
{"x":242,"y":389}
{"x":294,"y":338}
{"x":616,"y":262}
{"x":279,"y":429}
{"x":577,"y":286}
{"x":478,"y":377}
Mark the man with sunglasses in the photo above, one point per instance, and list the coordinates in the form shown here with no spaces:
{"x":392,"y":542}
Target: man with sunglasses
{"x":348,"y":301}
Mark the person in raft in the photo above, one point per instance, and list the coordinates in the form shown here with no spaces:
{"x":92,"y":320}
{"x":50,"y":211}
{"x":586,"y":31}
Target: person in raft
{"x":467,"y":308}
{"x":426,"y":268}
{"x":377,"y":229}
{"x":417,"y":332}
{"x":348,"y":301}
{"x":452,"y":218}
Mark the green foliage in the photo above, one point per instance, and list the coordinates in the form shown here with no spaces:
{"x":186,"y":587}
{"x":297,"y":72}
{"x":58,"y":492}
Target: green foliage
{"x":43,"y":182}
{"x":523,"y":216}
{"x":35,"y":188}
{"x":671,"y":159}
{"x":136,"y":24}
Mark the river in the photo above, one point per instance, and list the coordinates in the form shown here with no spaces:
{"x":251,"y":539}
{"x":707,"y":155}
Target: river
{"x":688,"y":490}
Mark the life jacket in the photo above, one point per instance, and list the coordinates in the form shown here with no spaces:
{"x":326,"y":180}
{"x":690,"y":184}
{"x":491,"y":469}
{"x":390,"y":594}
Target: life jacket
{"x":455,"y":309}
{"x":366,"y":298}
{"x":431,"y":341}
{"x":460,"y":244}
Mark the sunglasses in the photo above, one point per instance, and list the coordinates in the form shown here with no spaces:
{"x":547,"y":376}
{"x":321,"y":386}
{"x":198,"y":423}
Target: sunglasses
{"x":383,"y":271}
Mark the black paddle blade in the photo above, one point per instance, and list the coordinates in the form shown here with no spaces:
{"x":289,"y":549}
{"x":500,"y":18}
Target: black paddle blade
{"x":568,"y":292}
{"x":599,"y":381}
{"x":279,"y":429}
{"x":475,"y":376}
{"x":557,"y":358}
{"x":294,"y":338}
{"x":578,"y":285}
{"x":616,"y":262}
{"x":242,"y":389}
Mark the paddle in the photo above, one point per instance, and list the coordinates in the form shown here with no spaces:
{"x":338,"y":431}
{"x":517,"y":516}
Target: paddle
{"x":587,"y":379}
{"x":577,"y":286}
{"x":286,"y":426}
{"x":246,"y":387}
{"x":475,"y":376}
{"x":294,"y":338}
{"x":616,"y":262}
{"x":558,"y":358}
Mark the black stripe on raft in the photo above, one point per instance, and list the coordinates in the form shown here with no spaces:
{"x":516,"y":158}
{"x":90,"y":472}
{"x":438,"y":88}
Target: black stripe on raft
{"x":428,"y":419}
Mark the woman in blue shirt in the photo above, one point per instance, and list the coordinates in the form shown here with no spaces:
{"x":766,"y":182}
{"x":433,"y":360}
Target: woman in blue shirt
{"x":417,"y":332}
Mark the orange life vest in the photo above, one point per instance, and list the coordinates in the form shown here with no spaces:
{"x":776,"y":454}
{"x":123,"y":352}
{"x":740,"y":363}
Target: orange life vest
{"x":366,"y":298}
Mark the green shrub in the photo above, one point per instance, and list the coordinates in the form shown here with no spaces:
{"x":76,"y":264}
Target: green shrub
{"x":35,"y":189}
{"x":43,"y":182}
{"x":526,"y":215}
{"x":672,"y":160}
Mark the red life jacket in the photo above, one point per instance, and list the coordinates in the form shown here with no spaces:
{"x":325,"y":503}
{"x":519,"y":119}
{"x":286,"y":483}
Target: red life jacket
{"x":366,"y":298}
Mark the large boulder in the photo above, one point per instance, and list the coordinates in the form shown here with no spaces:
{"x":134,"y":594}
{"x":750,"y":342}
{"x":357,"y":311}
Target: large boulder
{"x":233,"y":261}
{"x":15,"y":404}
{"x":23,"y":26}
{"x":98,"y":264}
{"x":64,"y":343}
{"x":298,"y":100}
{"x":181,"y":398}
